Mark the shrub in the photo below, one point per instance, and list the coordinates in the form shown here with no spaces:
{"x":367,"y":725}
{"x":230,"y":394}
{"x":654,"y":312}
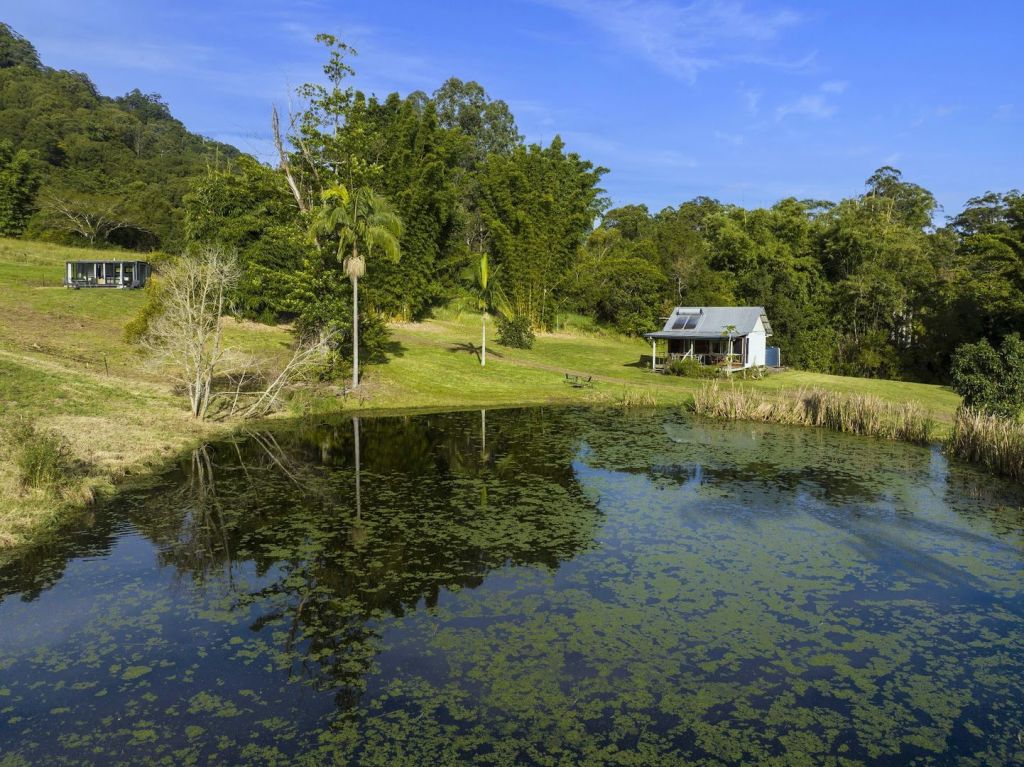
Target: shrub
{"x":515,"y":332}
{"x":690,"y":368}
{"x":991,"y":381}
{"x":41,"y":459}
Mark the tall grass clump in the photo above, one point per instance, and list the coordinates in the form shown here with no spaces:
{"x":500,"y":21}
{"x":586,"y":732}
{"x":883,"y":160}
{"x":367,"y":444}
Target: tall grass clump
{"x":994,"y":442}
{"x":633,"y":398}
{"x":849,"y":413}
{"x":41,"y":460}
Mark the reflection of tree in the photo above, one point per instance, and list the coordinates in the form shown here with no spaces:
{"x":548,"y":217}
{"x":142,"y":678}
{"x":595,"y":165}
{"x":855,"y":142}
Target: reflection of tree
{"x":346,"y":521}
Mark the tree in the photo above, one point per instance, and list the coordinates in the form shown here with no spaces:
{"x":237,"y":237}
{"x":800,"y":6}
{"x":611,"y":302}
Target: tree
{"x":539,"y":203}
{"x":248,"y":210}
{"x":729,"y":331}
{"x":15,"y":50}
{"x":487,"y":124}
{"x":483,"y":284}
{"x":361,"y":218}
{"x":186,"y":336}
{"x":19,"y":182}
{"x":989,"y":380}
{"x":94,"y":218}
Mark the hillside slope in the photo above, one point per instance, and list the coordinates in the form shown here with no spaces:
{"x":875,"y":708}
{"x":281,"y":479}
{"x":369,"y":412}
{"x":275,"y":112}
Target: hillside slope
{"x":91,"y":168}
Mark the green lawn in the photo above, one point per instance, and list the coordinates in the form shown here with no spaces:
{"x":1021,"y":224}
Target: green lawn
{"x":64,"y":363}
{"x":433,"y":366}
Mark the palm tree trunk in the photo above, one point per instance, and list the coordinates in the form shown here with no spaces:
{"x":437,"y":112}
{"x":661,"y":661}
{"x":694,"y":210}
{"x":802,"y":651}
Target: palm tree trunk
{"x":483,"y":339}
{"x":355,"y":332}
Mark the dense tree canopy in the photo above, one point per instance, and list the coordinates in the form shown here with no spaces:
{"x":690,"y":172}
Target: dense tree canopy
{"x":109,"y":171}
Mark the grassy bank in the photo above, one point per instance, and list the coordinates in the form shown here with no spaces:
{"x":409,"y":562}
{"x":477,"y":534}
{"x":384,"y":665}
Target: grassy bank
{"x":65,"y":366}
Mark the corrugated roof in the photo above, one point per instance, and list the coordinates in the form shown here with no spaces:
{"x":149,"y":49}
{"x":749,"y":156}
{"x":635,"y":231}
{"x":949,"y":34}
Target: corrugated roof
{"x":712,"y":321}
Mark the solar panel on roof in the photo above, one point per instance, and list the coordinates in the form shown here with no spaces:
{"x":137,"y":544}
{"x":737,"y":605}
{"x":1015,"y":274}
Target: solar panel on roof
{"x":685,"y":321}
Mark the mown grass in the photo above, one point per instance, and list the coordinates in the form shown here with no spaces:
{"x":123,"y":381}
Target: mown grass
{"x":861,"y":414}
{"x":65,"y":366}
{"x":435,"y":364}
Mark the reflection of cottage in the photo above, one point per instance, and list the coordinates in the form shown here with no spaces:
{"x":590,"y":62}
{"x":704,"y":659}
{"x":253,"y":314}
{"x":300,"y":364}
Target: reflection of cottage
{"x":106,"y":274}
{"x":730,"y":337}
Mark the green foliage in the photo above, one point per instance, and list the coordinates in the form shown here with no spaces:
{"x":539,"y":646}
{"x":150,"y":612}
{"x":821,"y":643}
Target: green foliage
{"x":41,"y":459}
{"x":690,"y":368}
{"x":866,"y":286}
{"x":515,"y":331}
{"x":991,"y":381}
{"x":135,"y":329}
{"x":19,"y":182}
{"x":538,"y":204}
{"x":112,"y":171}
{"x":248,"y":210}
{"x":487,"y":126}
{"x":16,"y":51}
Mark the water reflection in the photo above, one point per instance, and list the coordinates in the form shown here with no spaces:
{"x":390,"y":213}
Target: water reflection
{"x":519,"y":587}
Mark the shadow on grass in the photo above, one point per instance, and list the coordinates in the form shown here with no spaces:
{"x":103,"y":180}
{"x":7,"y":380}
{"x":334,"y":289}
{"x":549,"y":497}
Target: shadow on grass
{"x":471,"y":348}
{"x":644,"y":363}
{"x":388,"y":350}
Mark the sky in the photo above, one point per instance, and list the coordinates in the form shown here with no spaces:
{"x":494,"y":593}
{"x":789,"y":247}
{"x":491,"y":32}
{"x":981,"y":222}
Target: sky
{"x":747,"y":102}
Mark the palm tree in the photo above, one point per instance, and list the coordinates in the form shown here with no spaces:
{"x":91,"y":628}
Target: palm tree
{"x":730,"y":331}
{"x":359,"y":218}
{"x":483,"y":302}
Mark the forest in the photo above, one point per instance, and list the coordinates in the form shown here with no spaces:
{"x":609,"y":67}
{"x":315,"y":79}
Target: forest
{"x":880,"y":284}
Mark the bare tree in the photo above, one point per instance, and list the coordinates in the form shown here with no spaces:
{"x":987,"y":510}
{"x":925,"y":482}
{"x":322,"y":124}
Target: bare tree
{"x":93,"y":218}
{"x":186,"y":340}
{"x":187,"y":336}
{"x":284,"y":163}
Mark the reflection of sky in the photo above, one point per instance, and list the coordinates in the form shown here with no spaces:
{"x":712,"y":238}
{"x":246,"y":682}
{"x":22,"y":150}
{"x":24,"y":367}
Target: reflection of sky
{"x":886,"y":504}
{"x":62,"y":610}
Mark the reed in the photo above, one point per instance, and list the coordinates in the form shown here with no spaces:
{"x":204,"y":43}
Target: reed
{"x":995,"y":443}
{"x":852,"y":414}
{"x":634,"y":398}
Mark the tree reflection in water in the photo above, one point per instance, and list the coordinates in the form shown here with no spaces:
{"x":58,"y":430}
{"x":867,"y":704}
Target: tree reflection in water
{"x":417,"y":521}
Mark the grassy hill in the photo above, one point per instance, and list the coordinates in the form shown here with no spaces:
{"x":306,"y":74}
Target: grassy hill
{"x":64,"y":364}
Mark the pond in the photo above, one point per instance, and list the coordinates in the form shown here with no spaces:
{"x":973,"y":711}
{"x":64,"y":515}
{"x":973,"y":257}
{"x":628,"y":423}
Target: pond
{"x":527,"y":587}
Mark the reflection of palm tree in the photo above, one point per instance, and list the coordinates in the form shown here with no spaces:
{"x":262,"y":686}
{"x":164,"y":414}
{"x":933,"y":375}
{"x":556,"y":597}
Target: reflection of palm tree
{"x":359,"y":500}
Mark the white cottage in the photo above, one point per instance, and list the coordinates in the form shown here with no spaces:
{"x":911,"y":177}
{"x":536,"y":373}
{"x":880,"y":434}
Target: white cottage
{"x":732,"y":337}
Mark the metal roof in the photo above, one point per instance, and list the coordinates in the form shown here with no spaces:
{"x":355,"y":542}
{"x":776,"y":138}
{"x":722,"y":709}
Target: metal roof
{"x":710,"y":322}
{"x":109,"y":261}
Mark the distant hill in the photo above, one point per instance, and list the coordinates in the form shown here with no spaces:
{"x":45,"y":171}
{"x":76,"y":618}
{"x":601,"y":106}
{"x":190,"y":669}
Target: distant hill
{"x":77,"y":166}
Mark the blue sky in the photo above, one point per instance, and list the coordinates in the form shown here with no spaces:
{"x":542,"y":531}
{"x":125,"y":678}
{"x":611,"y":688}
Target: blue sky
{"x":748,"y":102}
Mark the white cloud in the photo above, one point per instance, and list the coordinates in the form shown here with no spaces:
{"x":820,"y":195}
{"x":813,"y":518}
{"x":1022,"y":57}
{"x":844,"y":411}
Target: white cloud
{"x":813,"y":105}
{"x":606,"y":151}
{"x":816,"y":105}
{"x":753,"y":101}
{"x":735,"y":139}
{"x":684,"y":40}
